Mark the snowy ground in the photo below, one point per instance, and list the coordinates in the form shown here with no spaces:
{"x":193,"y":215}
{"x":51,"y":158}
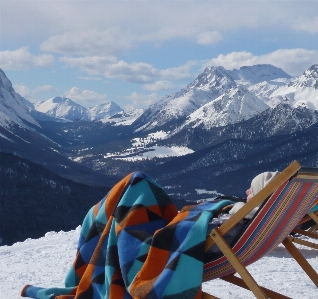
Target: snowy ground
{"x":45,"y":262}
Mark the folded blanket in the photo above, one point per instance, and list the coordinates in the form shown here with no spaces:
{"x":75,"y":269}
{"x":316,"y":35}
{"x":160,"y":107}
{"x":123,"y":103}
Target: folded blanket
{"x":135,"y":244}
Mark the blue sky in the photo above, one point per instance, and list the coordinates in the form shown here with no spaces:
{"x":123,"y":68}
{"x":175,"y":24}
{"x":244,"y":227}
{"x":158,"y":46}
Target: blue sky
{"x":136,"y":52}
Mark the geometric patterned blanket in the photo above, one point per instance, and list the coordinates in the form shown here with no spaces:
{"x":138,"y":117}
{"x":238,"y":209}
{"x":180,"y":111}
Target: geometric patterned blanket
{"x":135,"y":244}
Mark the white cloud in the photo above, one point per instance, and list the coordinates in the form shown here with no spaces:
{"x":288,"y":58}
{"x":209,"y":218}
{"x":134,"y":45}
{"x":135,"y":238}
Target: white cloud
{"x":90,"y":78}
{"x":209,"y":38}
{"x":114,"y":40}
{"x":31,"y":94}
{"x":120,"y":21}
{"x":136,"y":72}
{"x":232,"y":60}
{"x":178,"y":73}
{"x":292,"y":61}
{"x":110,"y":42}
{"x":22,"y":59}
{"x":22,"y":90}
{"x":110,"y":67}
{"x":159,"y":85}
{"x":307,"y":24}
{"x":139,"y":100}
{"x":85,"y":97}
{"x":78,"y":27}
{"x":44,"y":88}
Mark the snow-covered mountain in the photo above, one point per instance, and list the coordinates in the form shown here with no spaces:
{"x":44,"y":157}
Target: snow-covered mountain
{"x":300,"y":91}
{"x":236,"y":105}
{"x":104,"y":111}
{"x":308,"y":79}
{"x":12,"y":108}
{"x":209,"y":85}
{"x":264,"y":90}
{"x":215,"y":84}
{"x":40,"y":116}
{"x":64,"y":108}
{"x":218,"y":97}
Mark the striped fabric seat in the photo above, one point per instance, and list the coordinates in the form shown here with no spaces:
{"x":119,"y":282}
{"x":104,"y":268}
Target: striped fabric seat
{"x":287,"y":199}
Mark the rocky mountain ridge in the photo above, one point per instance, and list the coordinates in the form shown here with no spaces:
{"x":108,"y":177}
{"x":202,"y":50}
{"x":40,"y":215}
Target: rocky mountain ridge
{"x":192,"y":104}
{"x":209,"y":99}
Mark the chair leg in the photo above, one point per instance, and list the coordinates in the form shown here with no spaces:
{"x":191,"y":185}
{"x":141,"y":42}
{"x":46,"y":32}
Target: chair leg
{"x":237,"y":265}
{"x":304,"y":242}
{"x":292,"y":249}
{"x":305,"y":233}
{"x":314,"y":217}
{"x":313,"y":229}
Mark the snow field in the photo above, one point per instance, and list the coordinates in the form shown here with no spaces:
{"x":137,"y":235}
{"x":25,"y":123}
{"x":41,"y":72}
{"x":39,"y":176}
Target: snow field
{"x":46,"y":261}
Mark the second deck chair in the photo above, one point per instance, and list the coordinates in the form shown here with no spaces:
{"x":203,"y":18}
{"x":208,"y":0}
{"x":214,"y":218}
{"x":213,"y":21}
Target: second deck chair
{"x":285,"y":201}
{"x":308,"y":227}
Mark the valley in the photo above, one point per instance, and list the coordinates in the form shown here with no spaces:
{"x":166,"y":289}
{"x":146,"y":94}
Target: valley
{"x":210,"y":138}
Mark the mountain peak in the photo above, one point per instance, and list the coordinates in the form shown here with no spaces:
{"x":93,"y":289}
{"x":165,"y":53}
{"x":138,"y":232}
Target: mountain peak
{"x":61,"y":107}
{"x":5,"y":82}
{"x":313,"y":68}
{"x":12,"y":107}
{"x":308,"y":79}
{"x":105,"y":110}
{"x":210,"y":84}
{"x":65,"y":109}
{"x":312,"y":72}
{"x":213,"y":77}
{"x":236,"y":105}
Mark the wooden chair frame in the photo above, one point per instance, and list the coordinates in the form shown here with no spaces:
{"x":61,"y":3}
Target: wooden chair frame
{"x":216,"y":237}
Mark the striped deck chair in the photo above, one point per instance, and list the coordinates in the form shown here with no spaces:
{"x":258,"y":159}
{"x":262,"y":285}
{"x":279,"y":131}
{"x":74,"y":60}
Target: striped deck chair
{"x":284,"y":202}
{"x":311,"y":232}
{"x":312,"y":226}
{"x":310,"y":221}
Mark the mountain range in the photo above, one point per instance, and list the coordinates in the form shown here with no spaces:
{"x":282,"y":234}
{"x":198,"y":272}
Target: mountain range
{"x":211,"y":137}
{"x":214,"y":134}
{"x":219,"y":98}
{"x":67,"y":110}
